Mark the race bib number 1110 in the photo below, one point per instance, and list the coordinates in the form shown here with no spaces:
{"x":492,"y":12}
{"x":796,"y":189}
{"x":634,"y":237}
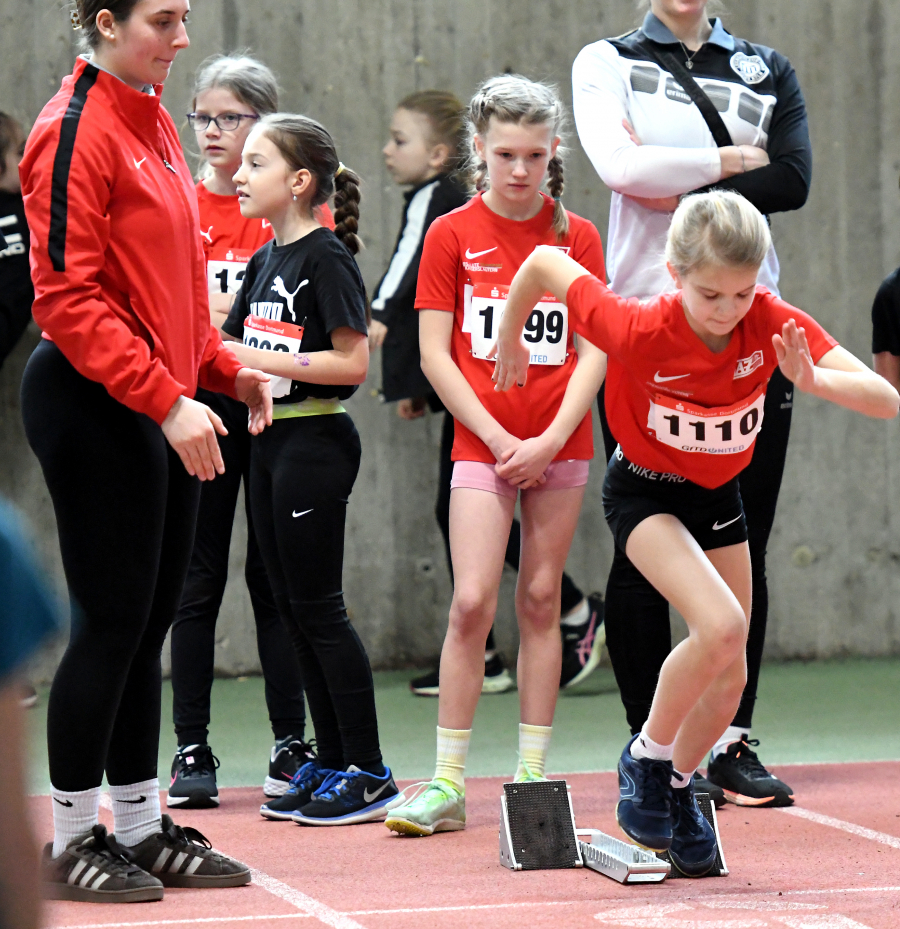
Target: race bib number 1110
{"x":546,"y":331}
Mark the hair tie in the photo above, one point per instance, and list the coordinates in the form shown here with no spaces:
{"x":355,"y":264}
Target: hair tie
{"x":341,"y":168}
{"x":75,"y":18}
{"x":557,"y":199}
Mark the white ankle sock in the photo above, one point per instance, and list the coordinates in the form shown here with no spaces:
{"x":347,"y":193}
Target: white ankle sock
{"x":534,"y":743}
{"x":452,"y":748}
{"x":578,"y":616}
{"x":731,"y":734}
{"x":136,"y":812}
{"x":74,"y":812}
{"x":680,"y":780}
{"x":644,"y":747}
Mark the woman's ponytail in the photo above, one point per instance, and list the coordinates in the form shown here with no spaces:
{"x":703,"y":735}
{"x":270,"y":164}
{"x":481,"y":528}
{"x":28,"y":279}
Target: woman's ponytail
{"x":346,"y":208}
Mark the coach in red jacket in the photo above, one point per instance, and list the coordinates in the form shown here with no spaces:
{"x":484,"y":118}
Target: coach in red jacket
{"x":107,"y":397}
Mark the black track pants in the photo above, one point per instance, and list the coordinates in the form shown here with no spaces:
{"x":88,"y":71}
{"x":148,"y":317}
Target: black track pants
{"x":637,"y":617}
{"x":125,"y":511}
{"x":194,"y":629}
{"x":301,"y":474}
{"x":571,"y":595}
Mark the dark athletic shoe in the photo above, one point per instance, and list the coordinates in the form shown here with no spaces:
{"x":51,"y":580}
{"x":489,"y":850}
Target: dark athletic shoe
{"x":184,"y":857}
{"x":351,"y":796}
{"x":703,"y":786}
{"x":644,"y":807}
{"x":693,"y":848}
{"x":300,"y":790}
{"x":193,"y":785}
{"x":583,"y":645}
{"x":744,"y":779}
{"x":496,"y":680}
{"x":96,"y":869}
{"x":287,"y":758}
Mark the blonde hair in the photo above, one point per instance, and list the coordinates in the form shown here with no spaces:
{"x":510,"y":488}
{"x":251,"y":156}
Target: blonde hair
{"x":512,"y":98}
{"x":447,"y":116}
{"x":719,"y":227}
{"x":249,"y":80}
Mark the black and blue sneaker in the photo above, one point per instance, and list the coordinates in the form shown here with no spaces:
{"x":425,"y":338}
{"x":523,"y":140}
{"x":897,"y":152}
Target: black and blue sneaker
{"x":644,"y":807}
{"x":309,"y":778}
{"x":351,"y":796}
{"x":693,"y":848}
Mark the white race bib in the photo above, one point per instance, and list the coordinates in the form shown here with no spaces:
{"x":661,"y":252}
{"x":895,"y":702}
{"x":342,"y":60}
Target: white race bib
{"x":273,"y":336}
{"x":546,"y":331}
{"x":225,"y":269}
{"x":724,"y":431}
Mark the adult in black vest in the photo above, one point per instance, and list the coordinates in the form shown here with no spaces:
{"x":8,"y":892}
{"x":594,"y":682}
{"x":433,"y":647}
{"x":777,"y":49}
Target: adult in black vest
{"x":651,"y":143}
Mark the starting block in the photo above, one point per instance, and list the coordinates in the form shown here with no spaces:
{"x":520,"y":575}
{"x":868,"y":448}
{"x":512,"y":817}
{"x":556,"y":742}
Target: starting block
{"x":537,"y":832}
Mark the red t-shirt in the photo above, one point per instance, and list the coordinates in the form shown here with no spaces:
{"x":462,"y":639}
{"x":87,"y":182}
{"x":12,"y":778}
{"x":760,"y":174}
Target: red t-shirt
{"x":229,"y":238}
{"x":468,"y":262}
{"x":674,"y":405}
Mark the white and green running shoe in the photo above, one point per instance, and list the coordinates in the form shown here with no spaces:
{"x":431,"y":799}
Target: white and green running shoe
{"x":440,"y":807}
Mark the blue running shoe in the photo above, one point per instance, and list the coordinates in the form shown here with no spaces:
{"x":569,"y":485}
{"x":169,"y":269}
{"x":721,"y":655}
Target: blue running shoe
{"x":350,"y":796}
{"x":693,"y":848}
{"x":308,"y":779}
{"x":644,"y":807}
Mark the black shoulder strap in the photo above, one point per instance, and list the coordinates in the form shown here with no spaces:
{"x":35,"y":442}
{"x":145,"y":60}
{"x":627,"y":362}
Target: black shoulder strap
{"x":670,"y":63}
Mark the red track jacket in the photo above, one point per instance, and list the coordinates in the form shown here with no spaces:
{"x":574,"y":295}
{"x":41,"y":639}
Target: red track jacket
{"x":116,"y":255}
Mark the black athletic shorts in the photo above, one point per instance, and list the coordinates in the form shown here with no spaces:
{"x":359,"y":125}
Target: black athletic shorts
{"x":715,"y":518}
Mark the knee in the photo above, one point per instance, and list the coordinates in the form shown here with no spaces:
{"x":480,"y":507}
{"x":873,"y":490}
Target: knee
{"x":537,"y":601}
{"x":472,"y":609}
{"x":724,"y":638}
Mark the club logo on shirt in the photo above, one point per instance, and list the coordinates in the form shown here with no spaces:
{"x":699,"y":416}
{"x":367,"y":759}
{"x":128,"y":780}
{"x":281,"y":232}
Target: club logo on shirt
{"x":747,"y":366}
{"x":751,"y":69}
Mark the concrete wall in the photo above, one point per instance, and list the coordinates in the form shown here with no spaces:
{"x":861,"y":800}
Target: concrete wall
{"x":834,"y":552}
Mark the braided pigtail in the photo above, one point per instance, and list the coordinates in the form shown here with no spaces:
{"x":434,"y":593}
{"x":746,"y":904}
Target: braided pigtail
{"x":346,"y":208}
{"x":555,"y":184}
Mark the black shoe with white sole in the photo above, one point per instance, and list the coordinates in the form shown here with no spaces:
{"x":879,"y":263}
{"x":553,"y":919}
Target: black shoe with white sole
{"x":287,"y":758}
{"x":183,"y":857}
{"x":744,"y":778}
{"x":351,"y":796}
{"x":193,"y":785}
{"x":96,"y":869}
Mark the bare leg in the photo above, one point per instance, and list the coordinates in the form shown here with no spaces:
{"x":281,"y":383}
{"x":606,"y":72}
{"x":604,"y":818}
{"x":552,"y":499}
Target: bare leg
{"x":549,"y":520}
{"x":479,"y":530}
{"x":701,"y":681}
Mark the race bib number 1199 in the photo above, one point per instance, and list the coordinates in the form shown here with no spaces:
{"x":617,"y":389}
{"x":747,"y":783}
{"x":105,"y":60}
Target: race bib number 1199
{"x":546,"y":331}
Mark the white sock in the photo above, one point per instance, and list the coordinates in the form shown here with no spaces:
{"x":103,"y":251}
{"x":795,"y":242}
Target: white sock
{"x":680,"y":780}
{"x":73,"y":814}
{"x":534,"y":743}
{"x":136,"y":812}
{"x":452,"y":748}
{"x":731,"y":734}
{"x":644,"y":747}
{"x":578,"y":616}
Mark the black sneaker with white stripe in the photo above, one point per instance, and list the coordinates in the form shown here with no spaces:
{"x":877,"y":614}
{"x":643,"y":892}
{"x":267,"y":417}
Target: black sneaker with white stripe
{"x":96,"y":869}
{"x":193,"y":784}
{"x":287,"y":758}
{"x":183,"y":857}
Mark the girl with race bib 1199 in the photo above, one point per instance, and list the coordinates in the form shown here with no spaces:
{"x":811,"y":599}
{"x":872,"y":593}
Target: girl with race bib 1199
{"x":538,"y":442}
{"x":692,"y":369}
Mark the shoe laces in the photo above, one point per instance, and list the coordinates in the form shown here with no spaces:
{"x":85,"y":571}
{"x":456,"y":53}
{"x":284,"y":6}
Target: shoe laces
{"x":304,"y":775}
{"x":529,"y":774}
{"x":657,"y":792}
{"x":203,"y":762}
{"x":103,"y":845}
{"x":336,"y":784}
{"x":173,"y":834}
{"x":421,"y":788}
{"x":747,"y":760}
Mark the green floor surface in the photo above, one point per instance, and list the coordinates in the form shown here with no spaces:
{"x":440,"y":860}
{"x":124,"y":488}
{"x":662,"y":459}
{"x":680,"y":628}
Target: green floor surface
{"x":816,"y":712}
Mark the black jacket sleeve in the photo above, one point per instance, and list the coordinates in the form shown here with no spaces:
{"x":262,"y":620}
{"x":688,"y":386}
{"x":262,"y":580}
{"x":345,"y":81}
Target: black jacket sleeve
{"x":16,"y":289}
{"x":886,"y":316}
{"x":783,"y":184}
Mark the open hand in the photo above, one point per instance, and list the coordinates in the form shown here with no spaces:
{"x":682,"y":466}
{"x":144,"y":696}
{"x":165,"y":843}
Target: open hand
{"x":190,"y":428}
{"x":794,"y":357}
{"x":252,"y":387}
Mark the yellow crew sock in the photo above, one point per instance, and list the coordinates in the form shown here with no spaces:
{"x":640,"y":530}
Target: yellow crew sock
{"x":452,"y":748}
{"x":534,"y":743}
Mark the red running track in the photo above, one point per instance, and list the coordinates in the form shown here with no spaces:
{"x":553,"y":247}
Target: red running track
{"x":832,"y":863}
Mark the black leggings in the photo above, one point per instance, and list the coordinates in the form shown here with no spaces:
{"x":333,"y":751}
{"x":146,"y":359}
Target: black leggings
{"x":125,"y":511}
{"x":301,"y":474}
{"x":638,"y":634}
{"x":571,"y":595}
{"x":194,"y":629}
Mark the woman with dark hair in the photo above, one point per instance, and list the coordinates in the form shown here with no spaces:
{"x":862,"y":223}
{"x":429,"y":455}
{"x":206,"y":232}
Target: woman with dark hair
{"x":653,"y":134}
{"x":107,"y":398}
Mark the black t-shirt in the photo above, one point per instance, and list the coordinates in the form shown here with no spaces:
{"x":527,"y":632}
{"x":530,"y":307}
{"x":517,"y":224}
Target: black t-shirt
{"x":886,"y":316}
{"x":313,"y":282}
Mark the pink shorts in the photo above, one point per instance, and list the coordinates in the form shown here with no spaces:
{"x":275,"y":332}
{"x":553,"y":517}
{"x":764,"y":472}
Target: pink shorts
{"x":479,"y":475}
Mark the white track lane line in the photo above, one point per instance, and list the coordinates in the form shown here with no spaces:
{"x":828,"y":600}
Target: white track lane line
{"x":881,"y":837}
{"x":306,"y":904}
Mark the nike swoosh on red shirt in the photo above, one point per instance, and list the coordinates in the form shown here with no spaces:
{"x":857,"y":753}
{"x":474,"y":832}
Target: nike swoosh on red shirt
{"x":470,"y":254}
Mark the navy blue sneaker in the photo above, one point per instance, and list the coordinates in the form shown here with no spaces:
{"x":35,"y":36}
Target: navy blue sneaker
{"x":693,"y":848}
{"x":351,"y":796}
{"x":644,"y":807}
{"x":308,"y":779}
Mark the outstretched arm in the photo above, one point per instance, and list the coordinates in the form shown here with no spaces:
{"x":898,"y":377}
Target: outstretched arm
{"x":839,"y":376}
{"x":545,"y":269}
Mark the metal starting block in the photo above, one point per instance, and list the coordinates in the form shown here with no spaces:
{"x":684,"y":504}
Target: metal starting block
{"x":537,"y":831}
{"x":708,"y":809}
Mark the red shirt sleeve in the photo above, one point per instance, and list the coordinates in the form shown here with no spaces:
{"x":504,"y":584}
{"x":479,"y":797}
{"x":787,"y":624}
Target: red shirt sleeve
{"x":218,"y":366}
{"x":439,"y":269}
{"x":604,"y":318}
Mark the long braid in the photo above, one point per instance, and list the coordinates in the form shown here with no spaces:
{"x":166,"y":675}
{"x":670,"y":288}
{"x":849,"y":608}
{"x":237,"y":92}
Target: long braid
{"x":556,"y":184}
{"x":346,"y":209}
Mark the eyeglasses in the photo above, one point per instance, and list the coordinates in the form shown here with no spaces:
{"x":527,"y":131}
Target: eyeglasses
{"x":227,"y":122}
